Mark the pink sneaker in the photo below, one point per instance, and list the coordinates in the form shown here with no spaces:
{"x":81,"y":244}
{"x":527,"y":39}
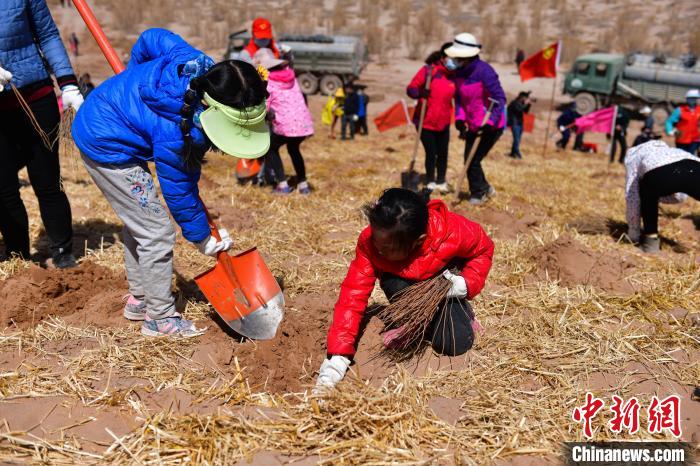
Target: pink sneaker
{"x":392,"y":338}
{"x":134,"y":309}
{"x":477,"y":328}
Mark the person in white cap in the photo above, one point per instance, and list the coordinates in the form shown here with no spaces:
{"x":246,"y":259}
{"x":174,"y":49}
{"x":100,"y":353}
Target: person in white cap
{"x":478,"y":89}
{"x":684,"y":121}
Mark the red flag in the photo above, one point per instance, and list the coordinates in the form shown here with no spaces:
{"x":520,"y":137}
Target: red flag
{"x":543,"y":64}
{"x":395,"y":116}
{"x":600,"y":121}
{"x":528,"y":122}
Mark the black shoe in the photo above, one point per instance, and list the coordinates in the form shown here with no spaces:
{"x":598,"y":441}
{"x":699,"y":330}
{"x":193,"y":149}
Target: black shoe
{"x":65,"y":261}
{"x":650,"y":244}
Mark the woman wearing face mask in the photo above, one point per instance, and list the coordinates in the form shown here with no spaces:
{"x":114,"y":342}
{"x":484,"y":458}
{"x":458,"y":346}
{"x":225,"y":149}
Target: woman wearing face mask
{"x":262,"y":39}
{"x":435,"y":135}
{"x":168,"y":107}
{"x":477,"y":83}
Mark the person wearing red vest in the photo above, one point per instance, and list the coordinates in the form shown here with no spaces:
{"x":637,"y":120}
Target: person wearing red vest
{"x":684,"y":122}
{"x":262,"y":39}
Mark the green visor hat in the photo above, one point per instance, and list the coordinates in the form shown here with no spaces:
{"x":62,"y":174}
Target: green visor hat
{"x":239,"y":133}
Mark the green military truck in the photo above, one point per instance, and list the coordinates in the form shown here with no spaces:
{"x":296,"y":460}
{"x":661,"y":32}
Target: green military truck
{"x":321,"y":62}
{"x":600,"y":79}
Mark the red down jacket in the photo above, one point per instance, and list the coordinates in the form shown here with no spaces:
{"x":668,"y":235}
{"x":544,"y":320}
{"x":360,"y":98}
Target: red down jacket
{"x":449,"y":236}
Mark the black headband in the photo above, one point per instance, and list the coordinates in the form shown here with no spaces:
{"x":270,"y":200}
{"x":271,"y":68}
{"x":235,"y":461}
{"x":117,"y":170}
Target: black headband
{"x":478,"y":46}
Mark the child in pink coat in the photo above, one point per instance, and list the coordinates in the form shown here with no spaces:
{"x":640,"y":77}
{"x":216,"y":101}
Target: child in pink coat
{"x":291,"y":121}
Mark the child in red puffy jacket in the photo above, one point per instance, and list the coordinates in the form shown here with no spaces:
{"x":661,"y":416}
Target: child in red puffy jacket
{"x":409,"y":240}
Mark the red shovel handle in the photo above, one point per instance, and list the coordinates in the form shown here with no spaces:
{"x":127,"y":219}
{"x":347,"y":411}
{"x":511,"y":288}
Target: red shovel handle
{"x":212,"y":225}
{"x":99,"y":35}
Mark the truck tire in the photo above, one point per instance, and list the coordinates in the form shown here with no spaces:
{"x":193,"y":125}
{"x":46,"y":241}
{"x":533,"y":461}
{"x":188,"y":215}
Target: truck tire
{"x":585,"y":103}
{"x":330,"y":83}
{"x":660,"y":114}
{"x":308,"y":83}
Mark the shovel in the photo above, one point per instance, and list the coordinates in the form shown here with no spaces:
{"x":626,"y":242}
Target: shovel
{"x":411,"y":179}
{"x":247,"y":168}
{"x":463,"y":172}
{"x":243,"y":292}
{"x":241,"y":288}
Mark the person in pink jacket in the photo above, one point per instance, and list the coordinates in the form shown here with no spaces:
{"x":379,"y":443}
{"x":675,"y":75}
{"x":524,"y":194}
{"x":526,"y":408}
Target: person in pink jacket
{"x":290,"y":120}
{"x":435,"y":135}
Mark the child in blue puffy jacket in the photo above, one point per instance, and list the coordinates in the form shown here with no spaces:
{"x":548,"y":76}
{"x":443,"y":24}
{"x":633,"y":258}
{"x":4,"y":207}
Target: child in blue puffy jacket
{"x":169,"y":106}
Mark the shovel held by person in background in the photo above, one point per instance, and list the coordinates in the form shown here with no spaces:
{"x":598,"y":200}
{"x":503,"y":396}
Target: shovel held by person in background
{"x":411,"y":178}
{"x":241,"y":288}
{"x":468,"y":162}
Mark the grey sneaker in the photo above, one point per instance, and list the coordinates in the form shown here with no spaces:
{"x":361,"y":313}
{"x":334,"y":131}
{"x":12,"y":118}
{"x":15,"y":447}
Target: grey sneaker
{"x":477,"y":200}
{"x":174,"y":326}
{"x":650,"y":244}
{"x":134,"y":309}
{"x":65,"y":261}
{"x":492,"y":192}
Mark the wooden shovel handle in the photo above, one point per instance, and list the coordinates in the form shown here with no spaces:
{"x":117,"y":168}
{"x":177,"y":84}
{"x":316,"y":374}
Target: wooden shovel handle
{"x":421,"y":120}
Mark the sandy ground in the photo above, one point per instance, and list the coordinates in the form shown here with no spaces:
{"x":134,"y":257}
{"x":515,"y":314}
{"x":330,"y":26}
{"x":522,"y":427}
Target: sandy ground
{"x":570,"y":307}
{"x":74,"y":370}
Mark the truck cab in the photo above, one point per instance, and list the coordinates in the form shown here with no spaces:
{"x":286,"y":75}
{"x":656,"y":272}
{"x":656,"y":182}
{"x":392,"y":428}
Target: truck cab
{"x":592,"y":76}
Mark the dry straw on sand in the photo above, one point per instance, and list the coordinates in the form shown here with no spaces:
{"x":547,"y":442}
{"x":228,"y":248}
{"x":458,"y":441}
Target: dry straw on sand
{"x":545,"y":345}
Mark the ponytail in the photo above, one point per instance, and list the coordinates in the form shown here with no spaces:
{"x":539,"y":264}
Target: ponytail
{"x":193,"y":159}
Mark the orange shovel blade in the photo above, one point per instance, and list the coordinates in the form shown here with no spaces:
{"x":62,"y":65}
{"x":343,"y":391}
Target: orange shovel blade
{"x":247,"y":168}
{"x":245,"y":294}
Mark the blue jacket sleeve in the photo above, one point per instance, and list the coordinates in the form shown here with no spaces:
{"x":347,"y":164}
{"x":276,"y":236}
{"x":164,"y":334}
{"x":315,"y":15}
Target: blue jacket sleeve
{"x":49,"y":39}
{"x":493,"y":86}
{"x":180,"y":191}
{"x":672,"y":120}
{"x":155,"y":43}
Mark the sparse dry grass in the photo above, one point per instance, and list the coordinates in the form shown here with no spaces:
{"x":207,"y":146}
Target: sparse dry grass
{"x":545,"y":345}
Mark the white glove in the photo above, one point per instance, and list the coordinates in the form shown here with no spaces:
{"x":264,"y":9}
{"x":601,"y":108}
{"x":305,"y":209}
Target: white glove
{"x":211,"y":247}
{"x":331,"y":372}
{"x":71,"y":97}
{"x":562,"y":128}
{"x":459,"y":285}
{"x":5,"y":77}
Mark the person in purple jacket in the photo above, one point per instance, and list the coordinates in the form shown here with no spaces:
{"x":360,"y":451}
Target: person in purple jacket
{"x":477,"y":83}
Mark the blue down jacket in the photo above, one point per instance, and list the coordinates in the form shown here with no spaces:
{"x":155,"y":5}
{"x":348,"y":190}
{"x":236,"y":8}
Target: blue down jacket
{"x":134,"y":117}
{"x":22,"y":22}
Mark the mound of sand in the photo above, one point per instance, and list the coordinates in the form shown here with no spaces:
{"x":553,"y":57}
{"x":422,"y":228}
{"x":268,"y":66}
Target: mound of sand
{"x":89,"y":293}
{"x":572,"y":264}
{"x":284,"y":364}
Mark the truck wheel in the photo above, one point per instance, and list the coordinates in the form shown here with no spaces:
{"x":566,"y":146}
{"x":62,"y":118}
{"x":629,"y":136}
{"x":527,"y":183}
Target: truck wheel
{"x":585,"y":103}
{"x":308,"y":83}
{"x":660,"y":114}
{"x":330,"y":83}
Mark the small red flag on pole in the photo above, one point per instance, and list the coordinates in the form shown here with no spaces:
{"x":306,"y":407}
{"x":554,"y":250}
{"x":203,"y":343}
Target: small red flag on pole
{"x":528,"y":122}
{"x":393,"y":117}
{"x":543,"y":64}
